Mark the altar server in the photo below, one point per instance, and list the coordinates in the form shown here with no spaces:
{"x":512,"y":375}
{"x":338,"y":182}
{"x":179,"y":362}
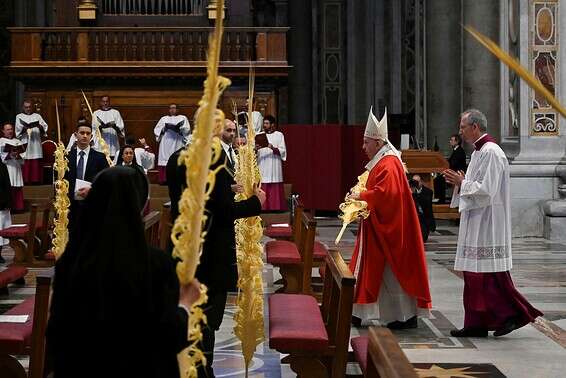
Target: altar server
{"x":270,"y":160}
{"x":171,"y":132}
{"x":12,"y":151}
{"x":111,"y":126}
{"x":30,"y":127}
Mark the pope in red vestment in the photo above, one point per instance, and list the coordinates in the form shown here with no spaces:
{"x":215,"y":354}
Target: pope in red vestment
{"x":389,"y":259}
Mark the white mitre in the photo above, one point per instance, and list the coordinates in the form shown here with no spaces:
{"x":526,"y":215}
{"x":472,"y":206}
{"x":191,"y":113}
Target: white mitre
{"x":378,"y":130}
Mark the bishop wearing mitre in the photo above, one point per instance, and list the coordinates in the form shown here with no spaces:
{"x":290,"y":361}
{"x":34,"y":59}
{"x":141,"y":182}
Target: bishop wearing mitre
{"x":389,"y":261}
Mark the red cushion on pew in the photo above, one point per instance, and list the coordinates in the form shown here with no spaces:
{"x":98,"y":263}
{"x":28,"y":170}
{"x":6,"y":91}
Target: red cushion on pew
{"x":11,"y":274}
{"x":14,"y":232}
{"x":319,"y":251}
{"x":15,"y":338}
{"x":278,"y":232}
{"x":360,"y":347}
{"x":282,"y":252}
{"x":295,"y":323}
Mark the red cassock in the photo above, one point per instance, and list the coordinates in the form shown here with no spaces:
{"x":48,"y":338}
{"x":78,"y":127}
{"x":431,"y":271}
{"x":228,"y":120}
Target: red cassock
{"x":391,"y":235}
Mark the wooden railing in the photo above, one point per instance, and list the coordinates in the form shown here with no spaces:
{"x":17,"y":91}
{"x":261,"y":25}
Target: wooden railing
{"x":153,"y":7}
{"x":144,"y":44}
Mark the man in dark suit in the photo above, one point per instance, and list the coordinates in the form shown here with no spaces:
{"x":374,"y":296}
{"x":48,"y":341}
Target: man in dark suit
{"x":456,"y":161}
{"x":84,"y":164}
{"x":217,"y":269}
{"x":423,"y":202}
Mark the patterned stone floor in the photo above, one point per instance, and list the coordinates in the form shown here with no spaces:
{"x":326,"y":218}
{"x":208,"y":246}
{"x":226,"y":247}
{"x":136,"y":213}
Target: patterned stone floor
{"x":537,"y":350}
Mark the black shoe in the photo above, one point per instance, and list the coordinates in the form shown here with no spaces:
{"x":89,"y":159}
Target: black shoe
{"x":356,"y":322}
{"x":509,"y":326}
{"x":408,"y":324}
{"x":469,"y":332}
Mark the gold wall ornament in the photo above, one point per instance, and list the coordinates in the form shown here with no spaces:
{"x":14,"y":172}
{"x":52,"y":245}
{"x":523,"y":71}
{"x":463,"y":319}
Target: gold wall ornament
{"x":87,"y":10}
{"x":248,"y":319}
{"x":101,"y":141}
{"x":62,"y":201}
{"x":188,"y":231}
{"x":353,"y":209}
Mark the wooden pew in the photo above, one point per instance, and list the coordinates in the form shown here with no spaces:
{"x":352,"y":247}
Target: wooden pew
{"x":30,"y":241}
{"x":316,"y":338}
{"x":26,"y":338}
{"x":295,"y":258}
{"x":165,"y":226}
{"x":12,"y":274}
{"x":151,"y":228}
{"x":380,"y":356}
{"x":287,"y":232}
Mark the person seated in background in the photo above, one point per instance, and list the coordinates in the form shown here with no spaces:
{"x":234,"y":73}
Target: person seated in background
{"x":117,"y":306}
{"x":145,"y":158}
{"x":423,"y":201}
{"x":127,"y":157}
{"x":456,"y":162}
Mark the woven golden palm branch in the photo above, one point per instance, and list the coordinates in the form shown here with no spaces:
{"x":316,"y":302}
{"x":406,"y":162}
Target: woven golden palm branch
{"x":352,"y":209}
{"x":187,"y":234}
{"x":62,"y":202}
{"x":249,"y":313}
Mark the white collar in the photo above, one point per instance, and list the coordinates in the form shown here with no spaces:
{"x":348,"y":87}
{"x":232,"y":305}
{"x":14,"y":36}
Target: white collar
{"x":226,"y":146}
{"x":86,"y":150}
{"x":377,"y":157}
{"x":480,"y":138}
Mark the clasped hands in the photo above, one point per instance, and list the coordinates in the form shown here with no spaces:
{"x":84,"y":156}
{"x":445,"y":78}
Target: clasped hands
{"x":452,"y":177}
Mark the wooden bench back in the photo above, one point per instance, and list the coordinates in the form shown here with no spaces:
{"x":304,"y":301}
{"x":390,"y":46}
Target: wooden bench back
{"x":40,"y":313}
{"x":336,"y":309}
{"x":385,"y":357}
{"x":151,"y":228}
{"x":299,"y":209}
{"x":165,"y":226}
{"x":305,"y":245}
{"x":39,"y":214}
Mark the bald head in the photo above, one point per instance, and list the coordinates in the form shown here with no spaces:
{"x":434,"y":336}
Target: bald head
{"x":229,"y":132}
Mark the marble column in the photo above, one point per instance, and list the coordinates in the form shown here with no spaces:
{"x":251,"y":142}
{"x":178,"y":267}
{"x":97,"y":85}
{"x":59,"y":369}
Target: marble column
{"x":443,"y":70}
{"x":538,"y":171}
{"x":480,"y":68}
{"x":300,"y":108}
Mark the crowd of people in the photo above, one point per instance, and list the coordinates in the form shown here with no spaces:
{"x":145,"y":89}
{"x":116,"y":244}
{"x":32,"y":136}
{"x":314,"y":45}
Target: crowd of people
{"x":103,"y":305}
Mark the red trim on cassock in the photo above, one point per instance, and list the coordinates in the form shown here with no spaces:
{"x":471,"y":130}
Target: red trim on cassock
{"x":391,"y":235}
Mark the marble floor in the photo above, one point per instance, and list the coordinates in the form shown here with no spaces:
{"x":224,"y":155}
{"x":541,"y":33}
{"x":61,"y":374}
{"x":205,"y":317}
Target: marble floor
{"x":537,"y":350}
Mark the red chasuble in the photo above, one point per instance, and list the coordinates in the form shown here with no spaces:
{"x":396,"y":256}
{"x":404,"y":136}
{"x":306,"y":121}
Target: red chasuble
{"x":391,"y":235}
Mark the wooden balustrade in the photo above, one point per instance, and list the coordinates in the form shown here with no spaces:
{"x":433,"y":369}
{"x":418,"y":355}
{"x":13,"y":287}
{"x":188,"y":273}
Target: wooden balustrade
{"x":144,"y":44}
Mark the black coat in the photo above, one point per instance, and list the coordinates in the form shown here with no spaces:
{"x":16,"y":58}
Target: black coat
{"x":95,"y":163}
{"x":423,"y":201}
{"x":218,"y":269}
{"x":5,"y":188}
{"x":114,"y":309}
{"x":457,"y":160}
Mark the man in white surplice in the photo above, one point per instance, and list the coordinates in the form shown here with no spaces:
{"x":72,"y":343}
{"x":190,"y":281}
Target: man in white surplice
{"x":491,"y":302}
{"x":171,"y":132}
{"x":111,"y":126}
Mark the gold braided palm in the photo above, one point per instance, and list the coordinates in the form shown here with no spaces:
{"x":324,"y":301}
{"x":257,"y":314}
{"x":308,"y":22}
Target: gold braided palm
{"x":187,"y":234}
{"x":249,"y":314}
{"x":515,"y":65}
{"x":353,"y":209}
{"x":62,"y":201}
{"x":101,"y":141}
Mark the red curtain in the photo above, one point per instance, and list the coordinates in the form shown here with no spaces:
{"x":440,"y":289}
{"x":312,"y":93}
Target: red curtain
{"x":323,"y":162}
